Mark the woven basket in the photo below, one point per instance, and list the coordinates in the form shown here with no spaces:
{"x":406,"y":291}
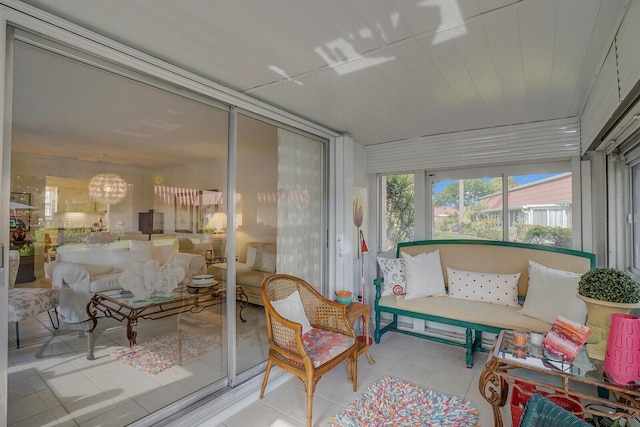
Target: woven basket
{"x":540,"y":412}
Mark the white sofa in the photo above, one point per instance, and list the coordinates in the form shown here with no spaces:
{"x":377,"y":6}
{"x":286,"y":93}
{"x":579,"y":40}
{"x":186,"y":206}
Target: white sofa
{"x":80,"y":270}
{"x":250,"y":272}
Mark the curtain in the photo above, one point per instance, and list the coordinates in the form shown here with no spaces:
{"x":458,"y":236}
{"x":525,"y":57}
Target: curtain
{"x":299,"y":207}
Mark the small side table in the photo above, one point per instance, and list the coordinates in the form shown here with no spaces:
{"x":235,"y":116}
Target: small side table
{"x":354,"y":311}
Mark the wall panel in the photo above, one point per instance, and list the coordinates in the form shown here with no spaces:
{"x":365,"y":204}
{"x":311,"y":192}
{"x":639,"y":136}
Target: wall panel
{"x":542,"y":141}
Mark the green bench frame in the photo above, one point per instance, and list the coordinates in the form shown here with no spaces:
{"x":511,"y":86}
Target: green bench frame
{"x":473,"y":336}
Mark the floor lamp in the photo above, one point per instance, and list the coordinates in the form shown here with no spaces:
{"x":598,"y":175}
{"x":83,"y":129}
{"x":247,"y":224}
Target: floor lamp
{"x":363,"y":251}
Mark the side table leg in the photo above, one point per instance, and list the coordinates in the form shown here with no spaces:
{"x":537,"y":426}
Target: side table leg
{"x":365,"y":325}
{"x":131,"y":334}
{"x":494,"y":389}
{"x":242,"y":297}
{"x":90,"y":345}
{"x":92,"y":312}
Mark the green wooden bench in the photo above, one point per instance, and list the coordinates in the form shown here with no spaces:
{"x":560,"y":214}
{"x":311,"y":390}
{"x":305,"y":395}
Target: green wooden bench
{"x":474,"y":317}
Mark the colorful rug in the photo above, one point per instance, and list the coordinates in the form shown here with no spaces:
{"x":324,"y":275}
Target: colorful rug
{"x":162,"y":352}
{"x":394,"y":402}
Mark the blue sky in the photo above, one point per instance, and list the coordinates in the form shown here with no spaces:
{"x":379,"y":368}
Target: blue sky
{"x":519,"y":179}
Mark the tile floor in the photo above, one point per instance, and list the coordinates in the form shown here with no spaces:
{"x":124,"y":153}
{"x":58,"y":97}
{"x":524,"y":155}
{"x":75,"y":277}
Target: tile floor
{"x":61,"y":387}
{"x":433,"y":365}
{"x":51,"y":383}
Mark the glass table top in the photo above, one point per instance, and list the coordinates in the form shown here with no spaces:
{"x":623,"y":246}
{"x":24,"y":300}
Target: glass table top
{"x":532,"y":356}
{"x":180,"y":293}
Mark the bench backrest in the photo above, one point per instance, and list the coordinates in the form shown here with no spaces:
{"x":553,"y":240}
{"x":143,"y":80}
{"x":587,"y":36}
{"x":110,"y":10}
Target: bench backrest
{"x":488,"y":256}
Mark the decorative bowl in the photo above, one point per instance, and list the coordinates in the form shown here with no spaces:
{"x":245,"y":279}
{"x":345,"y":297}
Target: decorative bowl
{"x":202,"y":279}
{"x":344,"y":300}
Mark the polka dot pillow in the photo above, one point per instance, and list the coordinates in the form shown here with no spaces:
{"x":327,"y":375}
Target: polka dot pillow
{"x":395,"y":281}
{"x":484,"y":287}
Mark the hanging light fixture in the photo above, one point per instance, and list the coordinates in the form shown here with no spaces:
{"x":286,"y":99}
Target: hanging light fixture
{"x":107,"y":188}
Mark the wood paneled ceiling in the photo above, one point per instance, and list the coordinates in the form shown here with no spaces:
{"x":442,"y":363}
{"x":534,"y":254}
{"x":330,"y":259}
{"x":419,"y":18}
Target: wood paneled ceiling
{"x":380,"y":71}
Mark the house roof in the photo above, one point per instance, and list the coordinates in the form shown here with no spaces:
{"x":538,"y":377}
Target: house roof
{"x":555,"y":190}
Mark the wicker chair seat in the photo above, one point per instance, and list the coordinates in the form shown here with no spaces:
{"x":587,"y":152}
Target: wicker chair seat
{"x":323,"y":346}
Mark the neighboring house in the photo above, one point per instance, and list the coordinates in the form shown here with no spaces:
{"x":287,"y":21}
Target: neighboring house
{"x":545,"y":202}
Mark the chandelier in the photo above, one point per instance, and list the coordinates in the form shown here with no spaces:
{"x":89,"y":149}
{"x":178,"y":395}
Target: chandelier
{"x":107,"y":188}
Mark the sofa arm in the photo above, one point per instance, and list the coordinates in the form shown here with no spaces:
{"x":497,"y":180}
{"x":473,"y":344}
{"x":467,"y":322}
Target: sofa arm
{"x":191,"y":263}
{"x":74,"y":283}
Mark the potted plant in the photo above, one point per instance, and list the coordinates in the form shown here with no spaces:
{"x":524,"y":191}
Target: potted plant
{"x":605,"y":291}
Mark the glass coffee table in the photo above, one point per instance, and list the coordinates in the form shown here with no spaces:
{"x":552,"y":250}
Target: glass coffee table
{"x":530,"y":367}
{"x":120,"y":305}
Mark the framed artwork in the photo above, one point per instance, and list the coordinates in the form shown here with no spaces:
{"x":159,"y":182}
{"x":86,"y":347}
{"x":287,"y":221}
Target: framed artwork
{"x":184,"y":213}
{"x":20,"y":204}
{"x":207,"y":205}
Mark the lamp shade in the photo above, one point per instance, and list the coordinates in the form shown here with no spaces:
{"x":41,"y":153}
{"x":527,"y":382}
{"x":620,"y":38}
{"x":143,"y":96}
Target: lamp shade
{"x":217,"y":222}
{"x":107,"y":188}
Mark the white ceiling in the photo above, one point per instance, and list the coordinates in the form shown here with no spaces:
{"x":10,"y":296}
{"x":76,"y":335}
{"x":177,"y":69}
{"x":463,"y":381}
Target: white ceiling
{"x":378,"y":70}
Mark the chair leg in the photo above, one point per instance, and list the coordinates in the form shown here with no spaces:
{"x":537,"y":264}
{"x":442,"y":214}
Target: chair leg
{"x":266,"y":377}
{"x":310,"y":389}
{"x":17,"y":335}
{"x":55,"y":311}
{"x":355,"y":371}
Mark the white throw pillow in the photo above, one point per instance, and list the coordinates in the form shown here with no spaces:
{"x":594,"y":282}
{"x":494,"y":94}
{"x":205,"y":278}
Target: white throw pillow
{"x":424,"y":275}
{"x":395,"y":282}
{"x":265,"y":261}
{"x":499,"y":289}
{"x":552,"y":293}
{"x":291,"y":308}
{"x":251,"y":256}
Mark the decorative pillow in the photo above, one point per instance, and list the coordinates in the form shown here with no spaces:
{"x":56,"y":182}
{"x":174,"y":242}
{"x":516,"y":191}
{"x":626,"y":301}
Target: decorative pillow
{"x":485,"y":287}
{"x":251,"y":256}
{"x":552,"y":293}
{"x":291,"y":308}
{"x":424,"y":275}
{"x":265,"y":261}
{"x":395,"y":281}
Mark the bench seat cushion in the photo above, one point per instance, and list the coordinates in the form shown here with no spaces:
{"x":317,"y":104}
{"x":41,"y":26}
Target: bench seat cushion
{"x":499,"y":316}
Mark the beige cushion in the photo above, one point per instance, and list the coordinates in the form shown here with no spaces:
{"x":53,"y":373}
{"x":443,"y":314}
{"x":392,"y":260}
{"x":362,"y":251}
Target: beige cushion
{"x":28,"y":302}
{"x":499,"y":316}
{"x":552,"y":293}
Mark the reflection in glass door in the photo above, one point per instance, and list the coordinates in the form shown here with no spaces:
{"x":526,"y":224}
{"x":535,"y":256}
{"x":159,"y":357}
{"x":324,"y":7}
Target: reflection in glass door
{"x":278,"y":221}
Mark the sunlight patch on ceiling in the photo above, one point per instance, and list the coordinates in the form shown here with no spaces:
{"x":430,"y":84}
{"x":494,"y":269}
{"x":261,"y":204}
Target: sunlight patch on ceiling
{"x":451,"y":20}
{"x":279,"y":71}
{"x":340,"y":48}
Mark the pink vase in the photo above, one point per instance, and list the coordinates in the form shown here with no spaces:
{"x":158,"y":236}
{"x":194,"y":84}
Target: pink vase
{"x":622,"y":358}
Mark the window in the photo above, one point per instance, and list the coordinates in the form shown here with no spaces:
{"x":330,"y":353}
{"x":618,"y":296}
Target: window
{"x":468,"y":208}
{"x":540,"y":209}
{"x":470,"y":204}
{"x":398,"y":210}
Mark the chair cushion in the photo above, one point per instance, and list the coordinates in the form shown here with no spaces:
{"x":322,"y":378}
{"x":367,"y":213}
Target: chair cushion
{"x":323,"y":345}
{"x":29,"y":302}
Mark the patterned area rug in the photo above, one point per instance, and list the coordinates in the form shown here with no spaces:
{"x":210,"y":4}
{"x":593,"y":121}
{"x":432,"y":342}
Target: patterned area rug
{"x":162,"y":352}
{"x":394,"y":402}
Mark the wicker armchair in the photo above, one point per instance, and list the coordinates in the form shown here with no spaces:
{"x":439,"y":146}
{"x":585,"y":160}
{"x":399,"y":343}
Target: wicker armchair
{"x":308,"y":356}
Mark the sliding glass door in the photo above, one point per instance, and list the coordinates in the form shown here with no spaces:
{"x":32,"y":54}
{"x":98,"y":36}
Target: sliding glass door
{"x":138,"y":184}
